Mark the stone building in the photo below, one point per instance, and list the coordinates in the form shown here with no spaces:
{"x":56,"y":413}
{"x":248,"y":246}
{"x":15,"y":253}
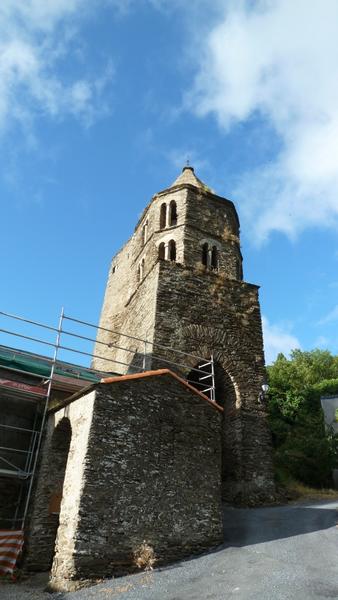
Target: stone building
{"x":178,"y":282}
{"x":145,"y":455}
{"x":135,"y":458}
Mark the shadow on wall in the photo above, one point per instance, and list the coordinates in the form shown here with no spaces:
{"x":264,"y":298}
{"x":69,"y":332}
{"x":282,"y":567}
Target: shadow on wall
{"x":140,"y":362}
{"x":58,"y":456}
{"x":225,"y":396}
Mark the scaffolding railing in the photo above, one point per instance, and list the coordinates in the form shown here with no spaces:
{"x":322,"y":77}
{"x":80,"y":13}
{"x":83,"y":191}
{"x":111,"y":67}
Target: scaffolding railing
{"x":201,"y":376}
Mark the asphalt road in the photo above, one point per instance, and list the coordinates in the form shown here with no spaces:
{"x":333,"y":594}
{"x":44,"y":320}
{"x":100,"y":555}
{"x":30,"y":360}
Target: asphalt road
{"x":278,"y":553}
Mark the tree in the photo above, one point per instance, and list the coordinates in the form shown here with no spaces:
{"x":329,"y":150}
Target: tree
{"x":304,"y":448}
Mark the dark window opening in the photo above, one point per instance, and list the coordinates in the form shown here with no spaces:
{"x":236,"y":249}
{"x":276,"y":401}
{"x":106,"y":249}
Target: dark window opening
{"x":144,"y":233}
{"x":163,"y":216}
{"x":205,"y":249}
{"x":172,"y":250}
{"x":161,"y":251}
{"x":200,"y":377}
{"x":214,"y":258}
{"x":172,"y":213}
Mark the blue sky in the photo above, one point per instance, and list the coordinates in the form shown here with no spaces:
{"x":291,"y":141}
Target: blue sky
{"x":99,"y":109}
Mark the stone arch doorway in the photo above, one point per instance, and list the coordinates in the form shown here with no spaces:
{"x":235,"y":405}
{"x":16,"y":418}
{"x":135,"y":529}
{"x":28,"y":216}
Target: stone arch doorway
{"x":58,"y":453}
{"x":227,"y":396}
{"x":45,"y":519}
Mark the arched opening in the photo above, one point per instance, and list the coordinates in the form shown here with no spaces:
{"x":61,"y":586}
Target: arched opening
{"x":226,"y":397}
{"x":214,"y":258}
{"x":172,"y":250}
{"x":141,"y":266}
{"x":163,"y":216}
{"x":144,"y":233}
{"x":161,"y":251}
{"x":239,"y":270}
{"x":205,"y":249}
{"x":172,"y":213}
{"x":200,"y":377}
{"x":57,"y":463}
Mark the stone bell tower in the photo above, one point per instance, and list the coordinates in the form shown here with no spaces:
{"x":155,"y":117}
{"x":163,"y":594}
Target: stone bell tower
{"x":178,"y":283}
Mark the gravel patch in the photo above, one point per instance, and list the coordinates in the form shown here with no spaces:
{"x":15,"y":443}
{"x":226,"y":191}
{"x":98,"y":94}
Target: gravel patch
{"x":29,"y":589}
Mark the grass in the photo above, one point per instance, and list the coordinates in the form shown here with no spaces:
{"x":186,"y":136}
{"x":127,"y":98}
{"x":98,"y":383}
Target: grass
{"x":294,"y":490}
{"x":144,"y":557}
{"x":304,"y":492}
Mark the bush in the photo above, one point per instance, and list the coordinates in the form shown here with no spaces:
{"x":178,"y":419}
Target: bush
{"x":304,"y":448}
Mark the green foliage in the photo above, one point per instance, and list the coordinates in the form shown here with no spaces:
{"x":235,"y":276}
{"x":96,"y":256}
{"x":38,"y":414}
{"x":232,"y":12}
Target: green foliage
{"x":304,"y":448}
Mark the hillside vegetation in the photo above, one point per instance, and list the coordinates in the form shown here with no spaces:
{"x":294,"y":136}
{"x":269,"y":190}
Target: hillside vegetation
{"x":304,"y":449}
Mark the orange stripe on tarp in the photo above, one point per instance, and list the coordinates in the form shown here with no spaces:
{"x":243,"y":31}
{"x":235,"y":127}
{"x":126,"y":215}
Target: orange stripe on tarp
{"x":9,"y":561}
{"x":11,"y":543}
{"x":7,"y":553}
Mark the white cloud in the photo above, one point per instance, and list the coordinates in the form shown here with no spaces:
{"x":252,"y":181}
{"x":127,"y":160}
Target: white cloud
{"x":331,"y":316}
{"x":277,"y":59}
{"x":37,"y":39}
{"x":276,"y":340}
{"x":322,"y":342}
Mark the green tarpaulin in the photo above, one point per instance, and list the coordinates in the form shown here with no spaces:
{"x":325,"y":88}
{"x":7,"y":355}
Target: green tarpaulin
{"x":32,"y":363}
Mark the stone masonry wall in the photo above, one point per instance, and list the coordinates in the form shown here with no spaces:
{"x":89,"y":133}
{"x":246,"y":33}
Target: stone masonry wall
{"x":120,"y":308}
{"x":137,"y":320}
{"x":224,"y":319}
{"x":200,"y":310}
{"x":60,"y":473}
{"x":152,"y":473}
{"x":212,"y":220}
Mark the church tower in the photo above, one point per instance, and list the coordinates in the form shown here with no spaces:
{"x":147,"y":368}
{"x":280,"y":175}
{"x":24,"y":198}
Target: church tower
{"x":178,"y":283}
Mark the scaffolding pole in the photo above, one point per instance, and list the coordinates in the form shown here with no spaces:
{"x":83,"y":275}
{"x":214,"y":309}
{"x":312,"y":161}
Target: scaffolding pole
{"x":39,"y":392}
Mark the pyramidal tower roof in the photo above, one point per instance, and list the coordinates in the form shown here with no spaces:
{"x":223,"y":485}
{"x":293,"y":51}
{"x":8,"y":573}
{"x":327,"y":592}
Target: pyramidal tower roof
{"x":188,"y":177}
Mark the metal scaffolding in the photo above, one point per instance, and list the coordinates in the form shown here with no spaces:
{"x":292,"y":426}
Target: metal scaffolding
{"x":27,"y":380}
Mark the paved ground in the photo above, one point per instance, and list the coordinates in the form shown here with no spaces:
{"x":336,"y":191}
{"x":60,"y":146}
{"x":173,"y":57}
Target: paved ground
{"x":279,"y":553}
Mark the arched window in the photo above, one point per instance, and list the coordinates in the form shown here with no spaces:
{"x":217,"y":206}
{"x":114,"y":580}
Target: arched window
{"x":163,"y":216}
{"x":140,"y":270}
{"x":161,"y":251}
{"x":205,"y":249}
{"x":172,"y":213}
{"x":172,"y":250}
{"x":144,"y":233}
{"x":214,"y":258}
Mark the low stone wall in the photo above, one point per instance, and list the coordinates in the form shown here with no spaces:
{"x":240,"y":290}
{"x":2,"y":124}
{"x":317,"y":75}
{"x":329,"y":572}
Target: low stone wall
{"x":150,"y":473}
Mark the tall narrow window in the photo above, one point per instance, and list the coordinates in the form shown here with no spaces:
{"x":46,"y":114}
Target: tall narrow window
{"x":163,"y":216}
{"x":205,"y":249}
{"x":172,"y":250}
{"x":172,"y":213}
{"x":214,"y":258}
{"x":144,"y":233}
{"x":140,"y":270}
{"x":161,"y":251}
